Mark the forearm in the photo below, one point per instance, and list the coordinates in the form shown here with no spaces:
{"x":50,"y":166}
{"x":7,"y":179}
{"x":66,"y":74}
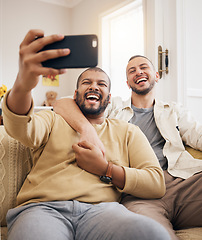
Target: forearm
{"x":147,"y":183}
{"x":15,"y":124}
{"x":70,"y":111}
{"x":19,"y":101}
{"x":32,"y":130}
{"x":144,"y":177}
{"x":72,"y":114}
{"x":118,"y":176}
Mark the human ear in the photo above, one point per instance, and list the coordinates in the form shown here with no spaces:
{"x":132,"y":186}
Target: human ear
{"x":75,"y":92}
{"x":157,"y":77}
{"x":110,"y":97}
{"x":128,"y":84}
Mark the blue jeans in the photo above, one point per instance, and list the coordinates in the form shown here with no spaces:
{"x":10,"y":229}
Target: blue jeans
{"x":65,"y":220}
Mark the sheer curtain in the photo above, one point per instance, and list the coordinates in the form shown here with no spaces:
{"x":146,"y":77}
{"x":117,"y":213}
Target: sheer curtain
{"x":122,"y":37}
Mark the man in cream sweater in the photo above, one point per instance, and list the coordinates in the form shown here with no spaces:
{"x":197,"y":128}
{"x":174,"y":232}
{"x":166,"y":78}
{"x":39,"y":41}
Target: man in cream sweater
{"x":73,"y":189}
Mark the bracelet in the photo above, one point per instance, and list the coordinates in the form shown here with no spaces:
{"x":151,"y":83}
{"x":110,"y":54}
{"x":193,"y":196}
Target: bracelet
{"x":109,"y":170}
{"x":108,"y":176}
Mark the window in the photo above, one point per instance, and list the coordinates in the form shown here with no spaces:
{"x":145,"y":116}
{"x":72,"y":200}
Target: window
{"x":122,"y":37}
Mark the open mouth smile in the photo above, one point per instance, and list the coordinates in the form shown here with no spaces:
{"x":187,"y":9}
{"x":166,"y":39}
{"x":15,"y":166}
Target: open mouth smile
{"x":142,"y":79}
{"x":93,"y":96}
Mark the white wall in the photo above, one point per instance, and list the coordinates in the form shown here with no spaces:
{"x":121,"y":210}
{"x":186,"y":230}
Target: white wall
{"x":18,"y":16}
{"x":190,"y":53}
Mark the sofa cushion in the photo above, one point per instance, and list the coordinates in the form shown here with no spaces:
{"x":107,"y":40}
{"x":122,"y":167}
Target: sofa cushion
{"x":189,"y":234}
{"x":15,"y":163}
{"x":3,"y":233}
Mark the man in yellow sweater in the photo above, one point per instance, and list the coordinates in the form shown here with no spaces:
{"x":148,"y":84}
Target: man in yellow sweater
{"x":73,"y":189}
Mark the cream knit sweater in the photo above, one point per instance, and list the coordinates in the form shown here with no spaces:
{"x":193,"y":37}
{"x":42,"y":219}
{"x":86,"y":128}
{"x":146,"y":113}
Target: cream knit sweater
{"x":55,"y":174}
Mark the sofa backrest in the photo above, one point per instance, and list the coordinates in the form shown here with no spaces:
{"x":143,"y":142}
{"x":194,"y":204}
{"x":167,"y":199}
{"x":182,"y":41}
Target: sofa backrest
{"x":15,"y":163}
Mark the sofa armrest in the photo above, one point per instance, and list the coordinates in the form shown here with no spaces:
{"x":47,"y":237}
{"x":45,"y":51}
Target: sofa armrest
{"x":195,"y":153}
{"x":15,"y":163}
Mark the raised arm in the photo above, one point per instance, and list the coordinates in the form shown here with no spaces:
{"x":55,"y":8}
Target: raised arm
{"x":19,"y":99}
{"x":70,"y":111}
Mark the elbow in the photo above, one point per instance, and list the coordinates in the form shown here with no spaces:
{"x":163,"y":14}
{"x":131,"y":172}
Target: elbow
{"x":155,"y":192}
{"x":159,"y":186}
{"x":156,"y":187}
{"x":160,"y":191}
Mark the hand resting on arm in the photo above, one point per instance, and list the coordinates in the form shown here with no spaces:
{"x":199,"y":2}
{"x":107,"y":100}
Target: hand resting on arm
{"x":90,"y":158}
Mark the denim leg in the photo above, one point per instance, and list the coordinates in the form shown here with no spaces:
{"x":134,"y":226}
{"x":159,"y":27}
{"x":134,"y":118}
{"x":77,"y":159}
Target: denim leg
{"x":40,"y":221}
{"x":68,"y":220}
{"x":112,"y":221}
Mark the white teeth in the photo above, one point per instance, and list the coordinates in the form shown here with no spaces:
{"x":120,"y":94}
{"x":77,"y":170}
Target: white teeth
{"x":142,"y":79}
{"x":93,"y":96}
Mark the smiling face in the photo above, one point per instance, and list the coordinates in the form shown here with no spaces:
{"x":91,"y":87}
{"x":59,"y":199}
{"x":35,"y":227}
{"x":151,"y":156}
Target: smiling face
{"x":92,"y":95}
{"x":141,"y":75}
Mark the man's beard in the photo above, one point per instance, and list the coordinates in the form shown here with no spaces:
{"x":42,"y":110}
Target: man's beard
{"x":91,"y":110}
{"x":145,"y":91}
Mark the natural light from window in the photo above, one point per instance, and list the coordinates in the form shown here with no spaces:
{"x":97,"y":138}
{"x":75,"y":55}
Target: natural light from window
{"x":122,"y":37}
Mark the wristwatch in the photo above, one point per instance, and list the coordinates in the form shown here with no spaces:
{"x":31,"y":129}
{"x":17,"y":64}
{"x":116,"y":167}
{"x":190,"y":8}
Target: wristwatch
{"x":108,"y":177}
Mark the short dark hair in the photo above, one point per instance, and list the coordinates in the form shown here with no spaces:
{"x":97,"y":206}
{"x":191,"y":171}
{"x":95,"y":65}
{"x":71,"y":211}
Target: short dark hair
{"x":95,"y":69}
{"x":136,"y":56}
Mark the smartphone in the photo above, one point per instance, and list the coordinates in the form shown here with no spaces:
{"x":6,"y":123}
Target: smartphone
{"x":84,"y":52}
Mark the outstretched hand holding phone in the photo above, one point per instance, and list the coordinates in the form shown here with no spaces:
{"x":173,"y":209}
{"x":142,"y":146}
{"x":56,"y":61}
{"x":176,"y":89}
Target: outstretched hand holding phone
{"x":30,"y":68}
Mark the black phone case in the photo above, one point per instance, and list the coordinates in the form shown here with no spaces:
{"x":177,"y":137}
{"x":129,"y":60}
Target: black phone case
{"x":84,"y":52}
